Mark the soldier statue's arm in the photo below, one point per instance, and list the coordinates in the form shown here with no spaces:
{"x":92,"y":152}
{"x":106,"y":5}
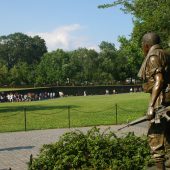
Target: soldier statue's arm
{"x":155,"y":93}
{"x":155,"y":65}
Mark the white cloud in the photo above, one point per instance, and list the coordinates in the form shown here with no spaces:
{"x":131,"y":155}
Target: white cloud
{"x":65,"y":38}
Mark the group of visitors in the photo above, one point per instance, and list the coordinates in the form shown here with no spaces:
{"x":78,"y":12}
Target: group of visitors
{"x":16,"y":97}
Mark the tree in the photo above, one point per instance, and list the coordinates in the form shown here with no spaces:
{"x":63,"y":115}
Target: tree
{"x":19,"y":47}
{"x":131,"y":56}
{"x":4,"y":76}
{"x":21,"y":74}
{"x":50,"y":68}
{"x":84,"y":64}
{"x":107,"y":59}
{"x":74,"y":67}
{"x":148,"y":15}
{"x":38,"y":48}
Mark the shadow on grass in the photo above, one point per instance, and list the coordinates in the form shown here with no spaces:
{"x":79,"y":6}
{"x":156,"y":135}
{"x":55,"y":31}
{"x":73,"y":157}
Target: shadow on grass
{"x":9,"y":109}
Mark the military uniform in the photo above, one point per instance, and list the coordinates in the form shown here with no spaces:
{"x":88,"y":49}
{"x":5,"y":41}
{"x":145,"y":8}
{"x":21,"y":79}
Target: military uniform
{"x":156,"y":62}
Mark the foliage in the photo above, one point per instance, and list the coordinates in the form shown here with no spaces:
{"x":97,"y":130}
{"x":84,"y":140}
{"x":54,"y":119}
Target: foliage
{"x":20,"y":74}
{"x":94,"y":150}
{"x":19,"y":54}
{"x":108,"y":62}
{"x":50,"y":68}
{"x":3,"y":74}
{"x":19,"y":47}
{"x":24,"y":61}
{"x":148,"y":15}
{"x":130,"y":53}
{"x":83,"y":66}
{"x":68,"y":68}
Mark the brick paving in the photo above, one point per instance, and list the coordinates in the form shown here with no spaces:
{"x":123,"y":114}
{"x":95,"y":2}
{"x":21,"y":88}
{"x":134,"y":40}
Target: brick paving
{"x":16,"y":147}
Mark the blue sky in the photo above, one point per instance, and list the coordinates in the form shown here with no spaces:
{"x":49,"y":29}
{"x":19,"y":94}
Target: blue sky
{"x":66,"y":24}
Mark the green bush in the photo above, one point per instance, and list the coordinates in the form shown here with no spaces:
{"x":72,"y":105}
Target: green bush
{"x":93,"y":150}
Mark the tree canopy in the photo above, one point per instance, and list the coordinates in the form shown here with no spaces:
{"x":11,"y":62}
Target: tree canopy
{"x":19,"y":47}
{"x":24,"y":60}
{"x":148,"y":16}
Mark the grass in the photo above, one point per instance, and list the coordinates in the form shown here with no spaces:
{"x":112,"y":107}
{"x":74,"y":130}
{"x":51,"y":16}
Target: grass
{"x":84,"y":111}
{"x":5,"y":89}
{"x":8,"y":89}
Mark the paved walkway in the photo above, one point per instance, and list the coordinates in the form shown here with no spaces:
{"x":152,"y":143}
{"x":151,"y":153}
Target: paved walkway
{"x":16,"y":147}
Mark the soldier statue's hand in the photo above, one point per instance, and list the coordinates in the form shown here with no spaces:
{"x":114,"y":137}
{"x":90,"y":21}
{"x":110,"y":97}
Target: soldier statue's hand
{"x":150,"y":112}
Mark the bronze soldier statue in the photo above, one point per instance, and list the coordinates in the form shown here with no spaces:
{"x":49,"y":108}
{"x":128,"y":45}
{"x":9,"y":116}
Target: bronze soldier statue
{"x":156,"y":76}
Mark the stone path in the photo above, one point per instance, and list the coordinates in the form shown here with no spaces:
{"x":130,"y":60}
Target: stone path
{"x":16,"y":147}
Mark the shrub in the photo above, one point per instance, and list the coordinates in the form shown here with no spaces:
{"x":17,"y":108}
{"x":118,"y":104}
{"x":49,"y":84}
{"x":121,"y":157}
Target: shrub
{"x":93,"y":150}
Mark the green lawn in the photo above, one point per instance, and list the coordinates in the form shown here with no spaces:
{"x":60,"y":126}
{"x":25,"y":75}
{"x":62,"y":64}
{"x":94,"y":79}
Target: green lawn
{"x":8,"y":89}
{"x":84,"y":111}
{"x":14,"y":89}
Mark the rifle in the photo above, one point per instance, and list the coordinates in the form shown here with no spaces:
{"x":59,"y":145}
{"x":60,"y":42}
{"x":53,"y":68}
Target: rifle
{"x":159,"y":114}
